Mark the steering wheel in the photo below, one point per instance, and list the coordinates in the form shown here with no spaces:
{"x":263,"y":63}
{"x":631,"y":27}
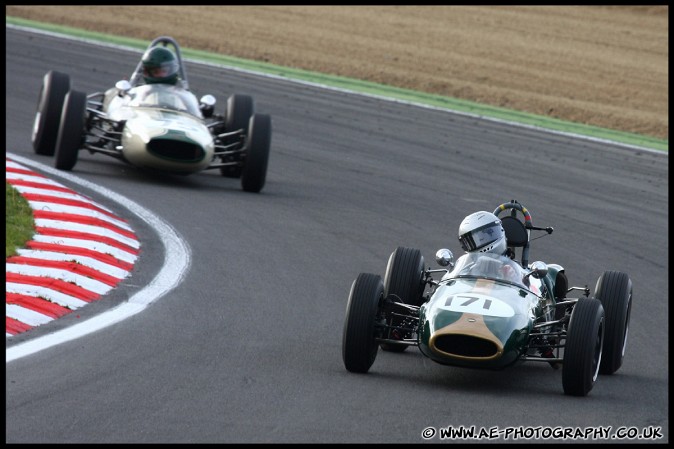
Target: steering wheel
{"x":516,"y":206}
{"x":519,"y":234}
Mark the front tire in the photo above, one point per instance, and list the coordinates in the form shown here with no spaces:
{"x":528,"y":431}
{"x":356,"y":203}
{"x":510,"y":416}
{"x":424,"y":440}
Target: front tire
{"x":614,"y":290}
{"x":583,"y":349}
{"x":55,"y":86}
{"x":359,"y":345}
{"x":254,"y":171}
{"x":71,"y":130}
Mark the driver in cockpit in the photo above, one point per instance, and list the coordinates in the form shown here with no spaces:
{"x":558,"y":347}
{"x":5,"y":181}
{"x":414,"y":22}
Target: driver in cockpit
{"x":160,"y":66}
{"x":482,"y":232}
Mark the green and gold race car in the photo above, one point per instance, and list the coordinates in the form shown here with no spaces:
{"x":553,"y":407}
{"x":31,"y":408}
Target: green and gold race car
{"x":490,"y":311}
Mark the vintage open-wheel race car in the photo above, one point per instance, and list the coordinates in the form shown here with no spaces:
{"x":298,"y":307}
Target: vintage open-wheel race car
{"x":490,"y":311}
{"x":153,"y":121}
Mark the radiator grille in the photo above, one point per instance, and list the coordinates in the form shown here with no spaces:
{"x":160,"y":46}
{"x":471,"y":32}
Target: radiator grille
{"x":465,"y":346}
{"x":176,"y":150}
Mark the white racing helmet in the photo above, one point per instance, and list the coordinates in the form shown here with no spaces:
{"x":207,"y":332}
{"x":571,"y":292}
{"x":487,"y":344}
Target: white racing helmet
{"x":482,"y":232}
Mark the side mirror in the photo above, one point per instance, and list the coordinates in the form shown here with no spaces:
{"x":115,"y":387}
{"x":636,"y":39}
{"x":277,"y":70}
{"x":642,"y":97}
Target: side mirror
{"x":123,"y":86}
{"x":444,"y":257}
{"x":207,"y":105}
{"x":538,"y":270}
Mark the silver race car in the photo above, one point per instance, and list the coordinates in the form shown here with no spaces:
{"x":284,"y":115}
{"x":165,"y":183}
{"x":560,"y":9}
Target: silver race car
{"x":153,"y":121}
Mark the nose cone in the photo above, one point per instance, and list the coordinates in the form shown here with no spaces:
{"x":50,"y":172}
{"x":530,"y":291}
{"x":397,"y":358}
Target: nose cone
{"x":467,"y":338}
{"x":168,"y":142}
{"x":475,"y":323}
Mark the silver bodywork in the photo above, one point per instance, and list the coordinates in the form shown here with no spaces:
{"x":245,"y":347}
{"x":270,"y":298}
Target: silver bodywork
{"x":163,"y":128}
{"x":159,"y":126}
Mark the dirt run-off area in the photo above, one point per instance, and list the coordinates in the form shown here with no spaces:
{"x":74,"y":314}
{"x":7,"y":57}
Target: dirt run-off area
{"x":605,"y":66}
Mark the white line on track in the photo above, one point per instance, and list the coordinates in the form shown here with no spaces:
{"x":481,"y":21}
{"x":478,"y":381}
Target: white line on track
{"x":177,"y":260}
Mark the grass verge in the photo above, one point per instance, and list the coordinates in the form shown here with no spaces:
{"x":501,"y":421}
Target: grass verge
{"x":19,"y":220}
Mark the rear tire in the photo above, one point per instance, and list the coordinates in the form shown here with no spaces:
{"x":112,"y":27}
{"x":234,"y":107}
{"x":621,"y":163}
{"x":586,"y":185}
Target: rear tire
{"x":254,"y":171}
{"x":583,"y":349}
{"x":359,"y":345}
{"x":404,"y":273}
{"x":403,"y":277}
{"x":55,"y":86}
{"x":614,"y":290}
{"x":240,"y":108}
{"x":71,"y":130}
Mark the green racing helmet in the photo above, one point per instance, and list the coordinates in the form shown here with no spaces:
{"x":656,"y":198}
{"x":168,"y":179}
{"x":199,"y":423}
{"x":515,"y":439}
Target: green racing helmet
{"x":160,"y":66}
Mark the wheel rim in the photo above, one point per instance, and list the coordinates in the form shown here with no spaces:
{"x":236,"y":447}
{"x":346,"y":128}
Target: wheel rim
{"x":627,"y":325}
{"x":596,"y":362}
{"x":38,"y":115}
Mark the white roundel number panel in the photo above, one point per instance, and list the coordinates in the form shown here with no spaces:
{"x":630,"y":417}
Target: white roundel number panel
{"x":477,"y":304}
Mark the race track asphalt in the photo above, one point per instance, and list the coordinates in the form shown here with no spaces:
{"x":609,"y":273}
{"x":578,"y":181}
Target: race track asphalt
{"x":246,"y":346}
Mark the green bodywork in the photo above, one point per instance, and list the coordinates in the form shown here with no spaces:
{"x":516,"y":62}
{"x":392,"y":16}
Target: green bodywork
{"x":473,"y":309}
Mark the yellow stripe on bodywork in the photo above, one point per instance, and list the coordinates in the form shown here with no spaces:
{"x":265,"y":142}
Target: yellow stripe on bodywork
{"x":469,"y":324}
{"x":484,"y":286}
